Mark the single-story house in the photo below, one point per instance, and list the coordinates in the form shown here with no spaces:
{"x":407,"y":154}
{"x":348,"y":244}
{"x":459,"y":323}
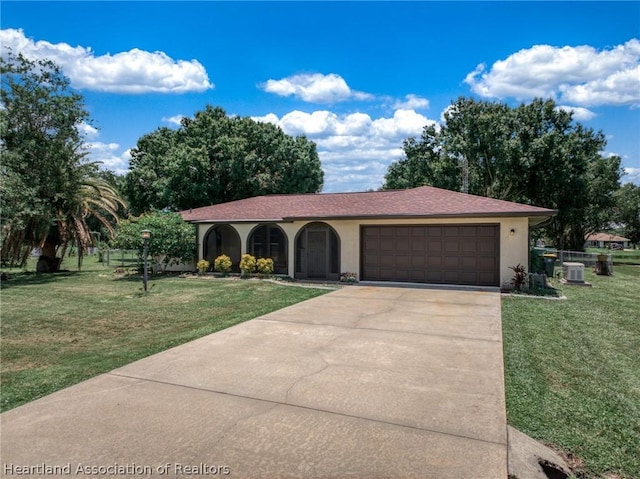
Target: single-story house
{"x":605,"y":240}
{"x":424,"y":235}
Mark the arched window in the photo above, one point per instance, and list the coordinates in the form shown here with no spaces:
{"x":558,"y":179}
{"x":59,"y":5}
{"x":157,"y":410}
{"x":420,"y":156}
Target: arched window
{"x":318,"y":252}
{"x":269,"y":241}
{"x":223,"y":239}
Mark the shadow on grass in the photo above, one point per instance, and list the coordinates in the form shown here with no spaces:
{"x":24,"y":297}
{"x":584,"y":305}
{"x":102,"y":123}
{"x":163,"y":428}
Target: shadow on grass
{"x":26,"y":278}
{"x":137,"y":277}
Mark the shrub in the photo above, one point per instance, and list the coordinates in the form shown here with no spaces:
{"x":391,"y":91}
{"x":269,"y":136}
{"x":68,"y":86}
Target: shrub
{"x":247,"y":265}
{"x":265,"y":266}
{"x":203,"y":265}
{"x":348,"y":277}
{"x":519,"y":280}
{"x":222,"y":264}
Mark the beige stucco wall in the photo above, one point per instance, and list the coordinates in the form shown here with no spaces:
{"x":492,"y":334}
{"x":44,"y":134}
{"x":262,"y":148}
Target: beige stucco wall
{"x":513,"y":249}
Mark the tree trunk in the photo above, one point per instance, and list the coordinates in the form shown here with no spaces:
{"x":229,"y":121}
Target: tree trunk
{"x":48,"y":262}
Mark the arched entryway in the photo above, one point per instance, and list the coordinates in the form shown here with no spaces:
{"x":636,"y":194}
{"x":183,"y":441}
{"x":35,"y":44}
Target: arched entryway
{"x":318,"y":252}
{"x":223,"y":239}
{"x":270,"y":241}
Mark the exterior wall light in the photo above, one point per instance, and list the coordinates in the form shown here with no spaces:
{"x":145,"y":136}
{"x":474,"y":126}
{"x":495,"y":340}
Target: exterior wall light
{"x":512,"y":232}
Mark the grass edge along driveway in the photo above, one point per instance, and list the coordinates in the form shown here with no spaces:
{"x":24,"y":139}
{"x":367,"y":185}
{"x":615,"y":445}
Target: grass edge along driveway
{"x":58,"y":330}
{"x":572,"y":372}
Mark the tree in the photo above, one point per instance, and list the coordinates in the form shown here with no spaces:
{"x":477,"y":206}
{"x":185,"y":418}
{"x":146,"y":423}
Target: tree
{"x":48,"y":188}
{"x":533,"y":154}
{"x":213,"y":158}
{"x":627,"y":209}
{"x":171,"y":236}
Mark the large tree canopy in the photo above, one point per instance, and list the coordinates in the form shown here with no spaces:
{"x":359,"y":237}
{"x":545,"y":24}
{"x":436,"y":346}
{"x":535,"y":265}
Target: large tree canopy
{"x":213,"y":158}
{"x":171,"y":236}
{"x":534,"y":154}
{"x":48,"y":189}
{"x":628,"y":211}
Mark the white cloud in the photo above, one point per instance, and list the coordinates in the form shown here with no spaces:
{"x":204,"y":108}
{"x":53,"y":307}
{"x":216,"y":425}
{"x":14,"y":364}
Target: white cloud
{"x":632,"y":175}
{"x":411,"y":102}
{"x":315,"y":88}
{"x":175,"y":119}
{"x":580,"y":75}
{"x":87,"y":131}
{"x":135,"y":71}
{"x":355,"y":150}
{"x":579,"y":113}
{"x":110,"y":156}
{"x":619,"y":88}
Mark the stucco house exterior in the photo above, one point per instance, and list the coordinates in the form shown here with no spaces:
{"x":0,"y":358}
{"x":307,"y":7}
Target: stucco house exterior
{"x":605,"y":240}
{"x":423,"y":235}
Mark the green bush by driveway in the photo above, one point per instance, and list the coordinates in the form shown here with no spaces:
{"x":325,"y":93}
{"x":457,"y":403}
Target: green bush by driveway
{"x":60,"y":329}
{"x":573,"y":371}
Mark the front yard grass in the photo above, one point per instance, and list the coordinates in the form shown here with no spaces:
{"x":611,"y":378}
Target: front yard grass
{"x":60,"y":329}
{"x":572,"y":372}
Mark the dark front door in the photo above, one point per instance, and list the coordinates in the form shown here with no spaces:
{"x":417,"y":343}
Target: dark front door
{"x":317,"y":254}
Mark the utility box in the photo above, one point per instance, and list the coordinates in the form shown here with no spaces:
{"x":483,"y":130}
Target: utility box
{"x":573,"y":273}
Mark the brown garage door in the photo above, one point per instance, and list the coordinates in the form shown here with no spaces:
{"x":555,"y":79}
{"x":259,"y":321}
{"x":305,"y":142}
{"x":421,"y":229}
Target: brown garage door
{"x":442,"y":254}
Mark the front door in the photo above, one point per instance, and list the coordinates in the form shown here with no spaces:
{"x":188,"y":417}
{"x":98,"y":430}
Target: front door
{"x":317,"y":254}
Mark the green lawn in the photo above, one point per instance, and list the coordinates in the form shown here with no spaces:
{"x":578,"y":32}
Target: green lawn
{"x":572,"y":367}
{"x":573,"y":371}
{"x":60,"y":329}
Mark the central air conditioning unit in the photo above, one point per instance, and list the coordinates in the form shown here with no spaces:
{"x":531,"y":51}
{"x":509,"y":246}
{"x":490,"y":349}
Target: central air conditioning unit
{"x":573,"y":272}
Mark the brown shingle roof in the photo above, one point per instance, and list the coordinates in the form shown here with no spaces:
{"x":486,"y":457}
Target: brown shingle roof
{"x":606,"y":237}
{"x":425,"y":201}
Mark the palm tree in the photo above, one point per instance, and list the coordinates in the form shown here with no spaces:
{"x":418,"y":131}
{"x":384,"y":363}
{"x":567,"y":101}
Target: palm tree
{"x":47,"y":188}
{"x":90,"y":196}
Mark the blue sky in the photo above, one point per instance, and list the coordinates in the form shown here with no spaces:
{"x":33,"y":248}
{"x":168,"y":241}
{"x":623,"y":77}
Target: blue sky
{"x":355,"y":77}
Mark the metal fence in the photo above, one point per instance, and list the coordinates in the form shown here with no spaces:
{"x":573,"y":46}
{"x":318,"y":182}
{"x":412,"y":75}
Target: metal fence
{"x":587,"y":259}
{"x":121,"y":258}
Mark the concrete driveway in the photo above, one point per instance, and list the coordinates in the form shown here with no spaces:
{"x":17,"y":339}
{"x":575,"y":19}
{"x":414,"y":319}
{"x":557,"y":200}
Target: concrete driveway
{"x":364,"y":382}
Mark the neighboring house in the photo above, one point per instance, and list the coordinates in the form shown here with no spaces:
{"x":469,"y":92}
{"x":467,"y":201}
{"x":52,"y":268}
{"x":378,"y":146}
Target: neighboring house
{"x":605,"y":240}
{"x":424,"y":235}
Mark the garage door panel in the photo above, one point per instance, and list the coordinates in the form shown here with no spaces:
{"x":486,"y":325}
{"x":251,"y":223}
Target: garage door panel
{"x":402,"y":274}
{"x":402,"y":245}
{"x":386,"y":261}
{"x":469,"y":277}
{"x":418,"y":246}
{"x":455,"y":254}
{"x":452,"y":262}
{"x":434,"y":277}
{"x":485,"y":277}
{"x":469,"y":262}
{"x":418,"y":261}
{"x":487,"y":231}
{"x":469,"y":246}
{"x":434,"y":262}
{"x":434,"y":231}
{"x":386,"y":274}
{"x":387,"y":244}
{"x":486,"y":263}
{"x":434,"y":246}
{"x":452,"y":246}
{"x":403,"y":261}
{"x":485,"y":246}
{"x":418,"y":276}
